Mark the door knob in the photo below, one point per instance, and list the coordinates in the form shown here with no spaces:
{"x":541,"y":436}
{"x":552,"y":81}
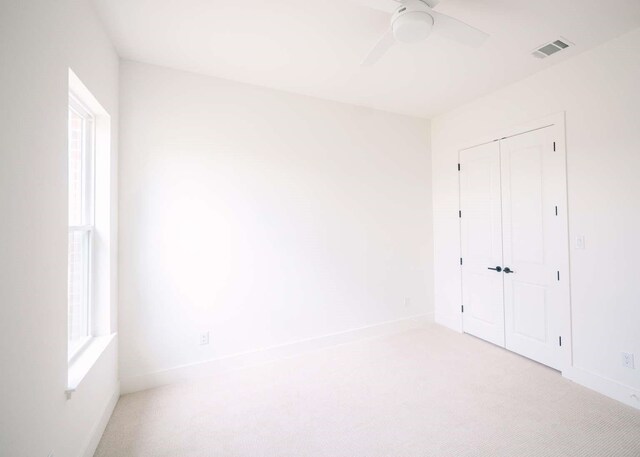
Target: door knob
{"x":508,"y":270}
{"x":498,"y":269}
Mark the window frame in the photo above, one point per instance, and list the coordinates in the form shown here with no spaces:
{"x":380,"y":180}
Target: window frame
{"x":87,"y":223}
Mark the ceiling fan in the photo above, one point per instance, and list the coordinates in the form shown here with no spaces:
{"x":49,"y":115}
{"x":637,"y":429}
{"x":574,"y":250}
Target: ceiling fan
{"x":413,"y":20}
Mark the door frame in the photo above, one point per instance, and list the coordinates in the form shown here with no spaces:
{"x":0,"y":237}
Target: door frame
{"x":556,"y":120}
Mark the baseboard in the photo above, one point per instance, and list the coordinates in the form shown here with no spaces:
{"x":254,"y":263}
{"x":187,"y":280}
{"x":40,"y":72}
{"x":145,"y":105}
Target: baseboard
{"x":449,"y":321}
{"x":605,"y":386}
{"x":98,"y":429}
{"x":246,"y":359}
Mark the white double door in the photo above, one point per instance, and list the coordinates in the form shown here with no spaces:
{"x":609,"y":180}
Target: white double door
{"x":514,"y":244}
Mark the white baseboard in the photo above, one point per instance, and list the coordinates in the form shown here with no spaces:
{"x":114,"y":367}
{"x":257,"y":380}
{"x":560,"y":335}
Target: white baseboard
{"x":605,"y":386}
{"x":98,"y":429}
{"x":449,"y":321}
{"x":246,"y":359}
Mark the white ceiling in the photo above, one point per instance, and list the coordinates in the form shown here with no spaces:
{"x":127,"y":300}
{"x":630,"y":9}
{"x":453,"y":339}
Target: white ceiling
{"x":315,"y":47}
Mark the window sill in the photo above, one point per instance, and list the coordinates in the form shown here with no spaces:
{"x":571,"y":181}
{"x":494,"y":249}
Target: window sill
{"x":83,"y":363}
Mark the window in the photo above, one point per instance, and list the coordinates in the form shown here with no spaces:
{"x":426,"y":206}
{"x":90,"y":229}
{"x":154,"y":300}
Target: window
{"x":81,"y":159}
{"x":92,"y":273}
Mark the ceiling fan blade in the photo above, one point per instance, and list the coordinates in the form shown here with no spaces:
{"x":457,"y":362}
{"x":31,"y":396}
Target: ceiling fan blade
{"x":387,"y":6}
{"x":456,"y":30}
{"x":379,"y":49}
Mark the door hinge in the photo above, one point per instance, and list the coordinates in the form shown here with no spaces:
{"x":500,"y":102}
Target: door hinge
{"x":560,"y":340}
{"x":556,"y":210}
{"x":459,"y":213}
{"x":458,"y":167}
{"x":554,"y":146}
{"x":558,"y":275}
{"x":462,"y":308}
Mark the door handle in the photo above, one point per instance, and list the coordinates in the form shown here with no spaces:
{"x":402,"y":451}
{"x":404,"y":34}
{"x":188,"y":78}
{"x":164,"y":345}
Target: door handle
{"x":498,"y":269}
{"x":508,"y":270}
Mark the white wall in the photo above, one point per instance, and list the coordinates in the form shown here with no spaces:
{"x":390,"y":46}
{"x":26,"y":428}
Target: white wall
{"x":39,"y":41}
{"x":262,"y":217}
{"x":600,"y":92}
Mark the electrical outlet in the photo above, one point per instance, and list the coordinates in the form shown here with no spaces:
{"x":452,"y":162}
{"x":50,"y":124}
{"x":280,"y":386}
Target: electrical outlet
{"x":407,"y":302}
{"x":204,"y":338}
{"x":627,"y":360}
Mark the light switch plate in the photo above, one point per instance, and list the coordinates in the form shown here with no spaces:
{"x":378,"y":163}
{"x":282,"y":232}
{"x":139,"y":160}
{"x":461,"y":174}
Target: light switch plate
{"x":580,"y":242}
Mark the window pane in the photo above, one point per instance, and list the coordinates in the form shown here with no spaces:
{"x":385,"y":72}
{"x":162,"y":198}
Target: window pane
{"x":80,"y":158}
{"x":78,"y":285}
{"x":76,"y":168}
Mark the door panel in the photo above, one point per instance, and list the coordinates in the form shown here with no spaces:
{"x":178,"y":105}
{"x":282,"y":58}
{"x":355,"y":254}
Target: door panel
{"x":530,"y":311}
{"x":526,"y":203}
{"x":532,"y":244}
{"x":481,"y":243}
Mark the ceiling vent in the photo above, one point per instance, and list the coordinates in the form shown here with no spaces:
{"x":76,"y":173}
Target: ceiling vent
{"x":551,"y":48}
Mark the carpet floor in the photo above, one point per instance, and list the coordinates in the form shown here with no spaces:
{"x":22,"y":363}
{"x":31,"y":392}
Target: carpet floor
{"x":423,"y":392}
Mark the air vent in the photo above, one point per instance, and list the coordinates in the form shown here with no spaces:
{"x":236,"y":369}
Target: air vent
{"x":551,"y":48}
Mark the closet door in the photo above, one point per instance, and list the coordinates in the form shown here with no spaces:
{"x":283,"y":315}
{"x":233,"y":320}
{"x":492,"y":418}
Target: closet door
{"x":534,"y":244}
{"x":481,"y":243}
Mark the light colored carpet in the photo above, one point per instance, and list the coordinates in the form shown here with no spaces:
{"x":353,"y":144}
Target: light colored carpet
{"x":424,"y":392}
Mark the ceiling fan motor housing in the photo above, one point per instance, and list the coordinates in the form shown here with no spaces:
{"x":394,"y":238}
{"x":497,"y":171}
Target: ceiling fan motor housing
{"x":412,"y":22}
